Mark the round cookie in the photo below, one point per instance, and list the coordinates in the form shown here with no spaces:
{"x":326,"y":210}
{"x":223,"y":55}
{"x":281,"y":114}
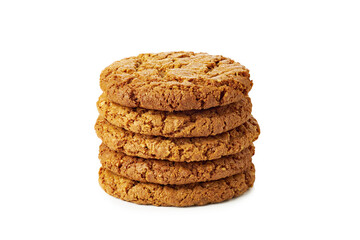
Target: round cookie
{"x":201,"y":123}
{"x":175,"y":81}
{"x":175,"y":173}
{"x":176,"y":195}
{"x":178,"y":149}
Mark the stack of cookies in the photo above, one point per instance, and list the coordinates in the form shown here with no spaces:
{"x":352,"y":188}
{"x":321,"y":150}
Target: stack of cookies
{"x":176,"y":129}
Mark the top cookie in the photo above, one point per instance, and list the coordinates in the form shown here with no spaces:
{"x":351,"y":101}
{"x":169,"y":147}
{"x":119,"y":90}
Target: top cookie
{"x":175,"y":81}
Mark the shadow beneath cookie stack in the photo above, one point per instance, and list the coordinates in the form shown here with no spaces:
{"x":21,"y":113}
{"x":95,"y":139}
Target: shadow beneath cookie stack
{"x":176,"y":129}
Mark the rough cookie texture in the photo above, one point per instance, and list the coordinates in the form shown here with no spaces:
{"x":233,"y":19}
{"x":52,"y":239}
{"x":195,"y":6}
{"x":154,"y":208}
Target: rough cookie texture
{"x":175,"y":81}
{"x":166,"y":172}
{"x":201,"y":123}
{"x":178,"y":149}
{"x":176,"y":195}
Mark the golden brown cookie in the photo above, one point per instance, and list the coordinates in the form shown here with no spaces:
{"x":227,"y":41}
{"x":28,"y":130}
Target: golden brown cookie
{"x":175,"y":81}
{"x":176,"y":195}
{"x":178,"y":149}
{"x":175,"y":173}
{"x":194,"y":123}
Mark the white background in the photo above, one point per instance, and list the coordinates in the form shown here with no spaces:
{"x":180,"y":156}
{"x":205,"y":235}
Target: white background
{"x":303,"y":58}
